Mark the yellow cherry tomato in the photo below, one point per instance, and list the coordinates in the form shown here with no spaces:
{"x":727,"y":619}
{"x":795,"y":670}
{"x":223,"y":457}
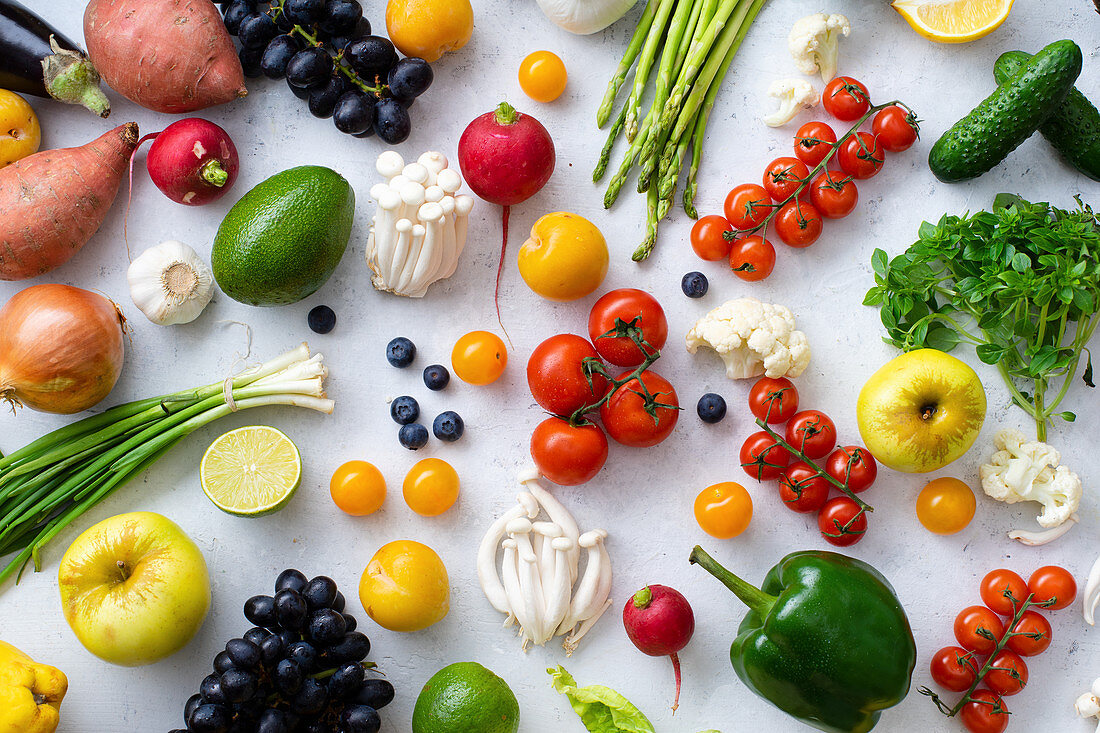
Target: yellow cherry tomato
{"x":431,"y":487}
{"x":479,"y":357}
{"x":428,"y":29}
{"x":945,"y":506}
{"x":723,"y":510}
{"x":542,"y":76}
{"x":565,"y":257}
{"x":405,"y":587}
{"x":20,"y":134}
{"x":358,"y":488}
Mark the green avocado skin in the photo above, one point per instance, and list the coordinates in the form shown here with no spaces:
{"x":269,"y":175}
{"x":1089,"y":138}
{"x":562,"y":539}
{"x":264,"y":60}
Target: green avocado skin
{"x":281,"y":242}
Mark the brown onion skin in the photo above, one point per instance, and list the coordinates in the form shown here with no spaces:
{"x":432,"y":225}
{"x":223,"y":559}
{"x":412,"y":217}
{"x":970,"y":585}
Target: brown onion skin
{"x":61,"y":348}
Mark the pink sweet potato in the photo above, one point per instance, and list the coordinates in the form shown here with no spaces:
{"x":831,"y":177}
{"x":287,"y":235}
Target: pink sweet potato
{"x":51,"y":203}
{"x":166,"y":55}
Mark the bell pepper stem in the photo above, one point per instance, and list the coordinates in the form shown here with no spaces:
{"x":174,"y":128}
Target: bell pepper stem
{"x":749,"y":594}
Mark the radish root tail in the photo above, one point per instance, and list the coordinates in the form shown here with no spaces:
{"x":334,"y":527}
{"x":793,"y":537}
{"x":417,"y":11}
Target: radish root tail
{"x":676,"y":671}
{"x":500,"y":271}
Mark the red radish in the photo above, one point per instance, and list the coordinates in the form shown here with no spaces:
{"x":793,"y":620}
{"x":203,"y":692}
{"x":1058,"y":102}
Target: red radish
{"x":506,"y":158}
{"x":659,"y":621}
{"x":192,"y":161}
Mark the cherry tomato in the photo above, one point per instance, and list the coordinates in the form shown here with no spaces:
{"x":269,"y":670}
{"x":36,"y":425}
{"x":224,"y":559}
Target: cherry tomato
{"x":841,"y":522}
{"x":568,"y":454}
{"x":853,"y":464}
{"x":1031,"y":635}
{"x":978,"y":629}
{"x":542,"y":76}
{"x":812,"y":432}
{"x":985,"y":713}
{"x":627,"y":304}
{"x":845,"y":98}
{"x":861,"y":156}
{"x":431,"y":487}
{"x":783,"y":176}
{"x":798,"y":224}
{"x":834,"y":195}
{"x":763,"y":458}
{"x":557,"y":378}
{"x":479,"y":357}
{"x":707,"y":239}
{"x":358,"y":488}
{"x":994,"y":587}
{"x":954,"y":668}
{"x":802,"y":489}
{"x":625,"y":418}
{"x":813,"y":142}
{"x":723,"y":510}
{"x":896,"y":128}
{"x":773,"y":400}
{"x":747,"y":206}
{"x":1052,"y":585}
{"x":1008,"y":675}
{"x":752,"y":258}
{"x":945,"y":506}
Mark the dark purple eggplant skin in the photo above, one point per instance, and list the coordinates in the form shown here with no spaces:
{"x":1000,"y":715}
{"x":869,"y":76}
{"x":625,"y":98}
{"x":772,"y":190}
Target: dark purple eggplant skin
{"x":24,"y":42}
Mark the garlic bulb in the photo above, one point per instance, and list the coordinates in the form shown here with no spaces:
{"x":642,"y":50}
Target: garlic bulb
{"x":419,"y":228}
{"x":170,"y":283}
{"x":585,"y":17}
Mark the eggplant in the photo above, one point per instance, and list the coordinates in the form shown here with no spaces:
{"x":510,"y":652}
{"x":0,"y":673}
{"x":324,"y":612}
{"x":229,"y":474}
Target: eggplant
{"x":37,"y":59}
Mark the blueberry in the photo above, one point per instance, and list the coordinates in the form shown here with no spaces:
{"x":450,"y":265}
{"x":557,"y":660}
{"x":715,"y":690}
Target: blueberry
{"x":695,"y":285}
{"x":256,"y":30}
{"x":238,"y":685}
{"x":711,"y":408}
{"x":322,"y":319}
{"x":311,"y":698}
{"x":410,"y":78}
{"x":290,"y":609}
{"x":277,"y":55}
{"x":372,"y":56}
{"x":260,"y":610}
{"x":244,"y":653}
{"x":210,"y":690}
{"x":320,"y":592}
{"x":376,"y":693}
{"x":290,"y":579}
{"x":354,"y":113}
{"x":436,"y":377}
{"x":288,"y":676}
{"x":355,"y":646}
{"x":391,"y":121}
{"x":326,"y":627}
{"x":341,"y":16}
{"x":448,"y":426}
{"x":309,"y":67}
{"x":209,"y":719}
{"x":304,"y":12}
{"x":360,"y":719}
{"x":222,"y":662}
{"x":404,"y":410}
{"x":413,"y":436}
{"x":400,"y":352}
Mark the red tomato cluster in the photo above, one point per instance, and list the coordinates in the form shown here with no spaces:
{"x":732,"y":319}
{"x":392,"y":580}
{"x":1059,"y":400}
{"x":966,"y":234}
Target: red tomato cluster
{"x":988,"y":663}
{"x":568,"y":377}
{"x":803,"y":486}
{"x":799,"y":193}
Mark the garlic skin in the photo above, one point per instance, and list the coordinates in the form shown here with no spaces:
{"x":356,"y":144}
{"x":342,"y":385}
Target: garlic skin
{"x":170,"y":283}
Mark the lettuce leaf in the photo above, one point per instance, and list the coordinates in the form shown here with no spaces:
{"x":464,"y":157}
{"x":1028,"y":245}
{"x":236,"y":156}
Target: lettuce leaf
{"x":601,"y":709}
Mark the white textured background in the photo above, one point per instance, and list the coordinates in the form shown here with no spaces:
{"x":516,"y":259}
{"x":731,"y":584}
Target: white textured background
{"x":643,"y":497}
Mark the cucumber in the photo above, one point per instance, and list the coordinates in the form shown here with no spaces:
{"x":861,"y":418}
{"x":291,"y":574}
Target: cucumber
{"x":1073,"y":129}
{"x":1008,"y":116}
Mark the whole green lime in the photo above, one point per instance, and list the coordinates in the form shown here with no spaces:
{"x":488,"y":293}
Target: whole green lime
{"x":283,"y":239}
{"x":465,"y":698}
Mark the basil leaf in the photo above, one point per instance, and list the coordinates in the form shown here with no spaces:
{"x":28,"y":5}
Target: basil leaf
{"x":941,"y":337}
{"x":990,"y":353}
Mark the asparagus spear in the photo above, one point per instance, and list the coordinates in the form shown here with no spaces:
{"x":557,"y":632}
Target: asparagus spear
{"x":657,"y":32}
{"x":605,"y":154}
{"x":699,"y":54}
{"x":636,"y":41}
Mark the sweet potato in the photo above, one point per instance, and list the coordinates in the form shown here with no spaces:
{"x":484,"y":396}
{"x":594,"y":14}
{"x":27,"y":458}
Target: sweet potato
{"x":51,"y":203}
{"x":166,"y":55}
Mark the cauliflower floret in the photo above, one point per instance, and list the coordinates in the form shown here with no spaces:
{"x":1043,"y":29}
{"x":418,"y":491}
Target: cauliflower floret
{"x":753,"y":338}
{"x":794,"y":95}
{"x":1029,"y":471}
{"x":814,"y":43}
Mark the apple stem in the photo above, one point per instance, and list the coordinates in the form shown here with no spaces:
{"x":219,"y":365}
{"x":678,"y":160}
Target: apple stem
{"x":122,"y":571}
{"x":927,"y":412}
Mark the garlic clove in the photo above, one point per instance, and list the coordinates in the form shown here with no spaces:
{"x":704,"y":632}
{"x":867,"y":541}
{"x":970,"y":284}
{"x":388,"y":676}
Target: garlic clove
{"x":170,"y":283}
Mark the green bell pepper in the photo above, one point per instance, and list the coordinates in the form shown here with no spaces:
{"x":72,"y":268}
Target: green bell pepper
{"x":825,"y":640}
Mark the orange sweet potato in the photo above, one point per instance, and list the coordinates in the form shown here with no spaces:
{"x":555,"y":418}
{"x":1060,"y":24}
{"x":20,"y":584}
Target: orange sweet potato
{"x":51,"y":203}
{"x":166,"y":55}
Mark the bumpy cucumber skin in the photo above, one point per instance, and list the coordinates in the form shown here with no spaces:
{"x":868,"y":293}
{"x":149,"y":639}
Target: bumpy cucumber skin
{"x":1073,"y":129}
{"x":1008,"y":116}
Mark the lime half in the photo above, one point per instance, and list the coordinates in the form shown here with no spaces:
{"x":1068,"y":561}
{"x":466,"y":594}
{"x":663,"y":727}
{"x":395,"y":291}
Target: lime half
{"x":251,"y":471}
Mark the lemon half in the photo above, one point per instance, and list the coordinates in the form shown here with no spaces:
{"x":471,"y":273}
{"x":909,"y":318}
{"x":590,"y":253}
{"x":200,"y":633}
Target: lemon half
{"x":953,"y":21}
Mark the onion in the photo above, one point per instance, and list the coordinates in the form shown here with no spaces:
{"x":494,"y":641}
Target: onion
{"x":61,"y":348}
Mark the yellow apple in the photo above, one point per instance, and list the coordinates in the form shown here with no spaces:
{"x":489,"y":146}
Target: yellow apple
{"x":921,"y":411}
{"x":134,"y":588}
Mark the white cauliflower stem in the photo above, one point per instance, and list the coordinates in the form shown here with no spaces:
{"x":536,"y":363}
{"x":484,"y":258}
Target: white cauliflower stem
{"x":814,"y":43}
{"x":1029,"y":471}
{"x":794,"y":95}
{"x":753,"y":338}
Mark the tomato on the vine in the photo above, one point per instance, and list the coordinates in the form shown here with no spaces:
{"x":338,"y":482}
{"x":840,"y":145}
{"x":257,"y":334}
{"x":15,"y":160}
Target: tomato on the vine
{"x":783,"y":176}
{"x":896,"y":128}
{"x":723,"y":510}
{"x":834,"y":195}
{"x":846,"y":99}
{"x":1054,"y":585}
{"x":802,"y":489}
{"x":627,"y":304}
{"x":568,"y":454}
{"x":625,"y":417}
{"x":994,"y":587}
{"x":763,"y":458}
{"x":861,"y":156}
{"x":773,"y":400}
{"x":985,"y":713}
{"x":842,"y":522}
{"x":813,"y":141}
{"x":853,"y":464}
{"x":954,"y":668}
{"x":812,"y":432}
{"x":747,"y":206}
{"x":707,"y":239}
{"x":1031,"y":635}
{"x":798,"y":224}
{"x":1007,"y":675}
{"x":752,"y":258}
{"x":978,"y":629}
{"x":557,"y":378}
